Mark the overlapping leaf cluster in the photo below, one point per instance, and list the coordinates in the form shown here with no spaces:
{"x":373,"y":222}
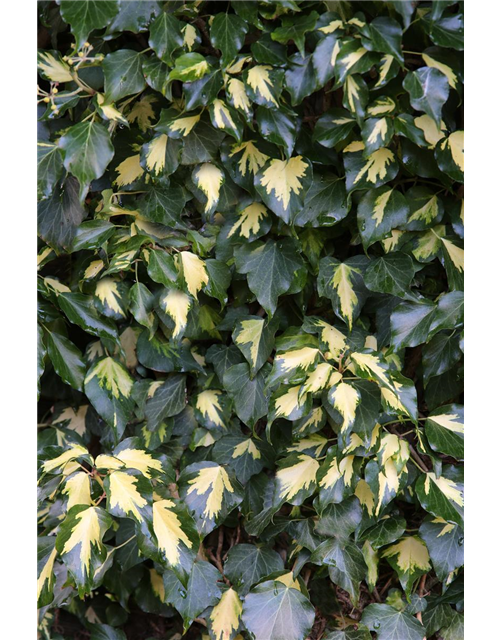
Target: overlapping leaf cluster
{"x":250,"y":319}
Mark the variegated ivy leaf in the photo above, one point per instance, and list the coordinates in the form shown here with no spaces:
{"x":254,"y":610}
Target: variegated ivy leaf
{"x":337,"y":478}
{"x":289,"y":403}
{"x":254,"y":338}
{"x":398,"y":393}
{"x":46,"y":556}
{"x":211,"y":408}
{"x":263,"y":85}
{"x":226,"y":118}
{"x":450,"y":155}
{"x":295,"y":479}
{"x":176,"y":537}
{"x":294,"y":359}
{"x":77,"y":487}
{"x":376,"y":133}
{"x":344,"y":397}
{"x":426,"y":209}
{"x":245,"y":159}
{"x":176,"y":305}
{"x":129,"y":455}
{"x":60,"y":460}
{"x":189,"y":67}
{"x":444,"y":430}
{"x":372,"y":171}
{"x":443,"y":496}
{"x":108,"y":386}
{"x":333,"y":127}
{"x":129,"y":495}
{"x":224,"y":620}
{"x":210,"y":492}
{"x":282,"y":184}
{"x":79,"y":543}
{"x":379,"y":212}
{"x":410,"y":559}
{"x":332,"y":341}
{"x":342,"y":282}
{"x":245,"y":455}
{"x":445,"y":542}
{"x":160,"y":156}
{"x":209,"y":179}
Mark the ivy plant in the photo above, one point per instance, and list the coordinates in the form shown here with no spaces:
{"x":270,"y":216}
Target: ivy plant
{"x":250,"y":325}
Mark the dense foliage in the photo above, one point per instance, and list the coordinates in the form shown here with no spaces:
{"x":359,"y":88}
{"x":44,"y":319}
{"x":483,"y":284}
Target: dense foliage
{"x":250,"y":320}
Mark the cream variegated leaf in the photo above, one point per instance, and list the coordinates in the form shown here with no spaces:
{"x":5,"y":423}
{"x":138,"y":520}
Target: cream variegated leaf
{"x":282,"y":185}
{"x":210,"y":492}
{"x":176,"y":536}
{"x":79,"y":543}
{"x":224,"y":620}
{"x":296,"y":479}
{"x":129,"y":495}
{"x":209,"y":178}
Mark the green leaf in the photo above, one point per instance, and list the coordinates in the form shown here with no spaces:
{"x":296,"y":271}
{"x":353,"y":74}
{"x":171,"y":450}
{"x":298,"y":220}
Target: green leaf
{"x":85,"y":17}
{"x":345,"y":563}
{"x":60,"y":214}
{"x":300,"y":80}
{"x":391,"y":624}
{"x":295,"y":28}
{"x":277,"y":127}
{"x":325,"y":202}
{"x":122,"y":74}
{"x":135,"y":17}
{"x":87,"y":151}
{"x":447,"y":30}
{"x":227,"y":34}
{"x":339,"y":520}
{"x":41,"y":353}
{"x":80,"y":310}
{"x":66,"y":359}
{"x":164,"y":205}
{"x":165,"y":36}
{"x":273,"y":610}
{"x":386,"y":36}
{"x":247,"y":564}
{"x":428,"y":89}
{"x":248,"y":393}
{"x":392,"y":274}
{"x":49,"y":168}
{"x":270,"y":269}
{"x":106,"y":632}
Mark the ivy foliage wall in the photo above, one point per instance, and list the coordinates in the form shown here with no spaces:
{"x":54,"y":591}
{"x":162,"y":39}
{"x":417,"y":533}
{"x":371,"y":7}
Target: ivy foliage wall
{"x":250,"y":277}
